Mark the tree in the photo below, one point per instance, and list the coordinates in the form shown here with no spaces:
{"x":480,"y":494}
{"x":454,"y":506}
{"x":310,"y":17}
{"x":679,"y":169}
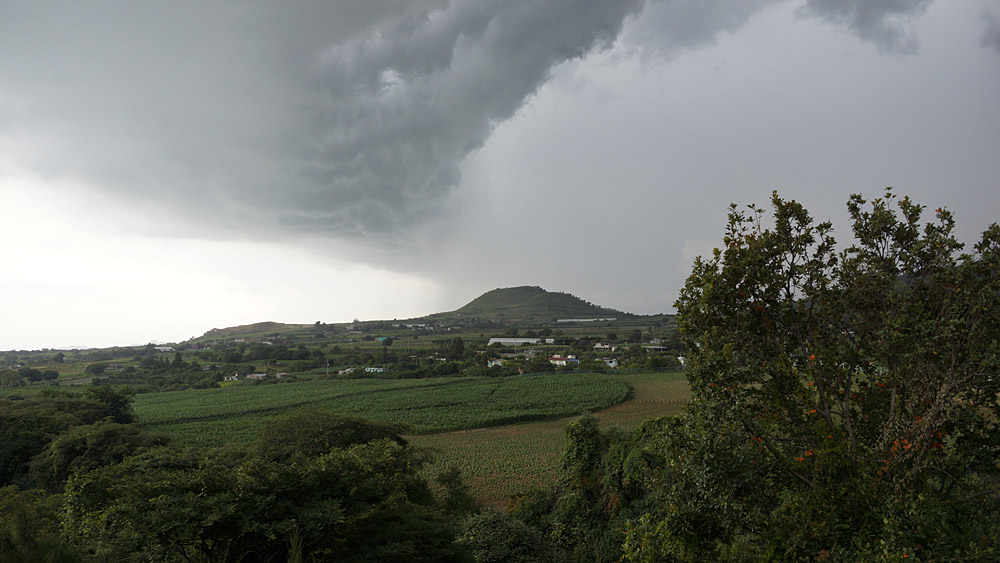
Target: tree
{"x":386,"y":342}
{"x":845,"y":404}
{"x":361,"y":503}
{"x":96,"y":369}
{"x":83,"y":448}
{"x":310,"y":433}
{"x":29,"y":528}
{"x":118,"y":401}
{"x":31,"y":374}
{"x":59,"y":358}
{"x":453,"y":349}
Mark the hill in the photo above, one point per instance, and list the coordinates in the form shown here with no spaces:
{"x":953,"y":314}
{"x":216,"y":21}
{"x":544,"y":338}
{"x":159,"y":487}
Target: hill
{"x":512,"y":304}
{"x":256,"y":329}
{"x":527,"y":302}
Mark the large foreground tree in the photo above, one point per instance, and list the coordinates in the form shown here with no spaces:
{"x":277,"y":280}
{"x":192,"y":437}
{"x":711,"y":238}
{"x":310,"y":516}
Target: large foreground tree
{"x":845,"y":402}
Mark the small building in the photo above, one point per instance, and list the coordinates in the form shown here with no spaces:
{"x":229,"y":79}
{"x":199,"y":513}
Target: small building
{"x":495,"y":362}
{"x":257,"y":376}
{"x":562,"y":361}
{"x":376,"y":370}
{"x":163,"y":348}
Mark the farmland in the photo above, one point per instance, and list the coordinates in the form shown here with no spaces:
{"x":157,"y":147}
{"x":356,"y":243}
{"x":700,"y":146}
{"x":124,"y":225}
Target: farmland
{"x":212,"y":417}
{"x":500,"y":461}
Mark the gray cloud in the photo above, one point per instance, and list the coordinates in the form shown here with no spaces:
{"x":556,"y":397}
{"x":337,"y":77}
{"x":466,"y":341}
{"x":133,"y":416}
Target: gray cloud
{"x":883,"y":22}
{"x":349,"y":120}
{"x":401,"y":108}
{"x":674,"y":26}
{"x":991,"y":35}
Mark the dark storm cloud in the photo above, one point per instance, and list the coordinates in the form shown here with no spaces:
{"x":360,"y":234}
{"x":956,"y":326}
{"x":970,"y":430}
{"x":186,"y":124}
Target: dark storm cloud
{"x":401,"y":108}
{"x":991,"y":35}
{"x":883,"y":22}
{"x":345,"y":118}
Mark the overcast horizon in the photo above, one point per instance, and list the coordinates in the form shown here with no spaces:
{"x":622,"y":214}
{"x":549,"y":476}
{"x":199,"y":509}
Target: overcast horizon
{"x":170,"y":168}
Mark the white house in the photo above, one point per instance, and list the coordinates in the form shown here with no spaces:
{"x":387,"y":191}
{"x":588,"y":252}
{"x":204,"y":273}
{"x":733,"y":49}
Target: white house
{"x":559,"y":360}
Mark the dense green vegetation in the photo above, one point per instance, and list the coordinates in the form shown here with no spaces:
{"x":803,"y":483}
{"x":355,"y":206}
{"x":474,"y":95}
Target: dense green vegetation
{"x":214,"y":417}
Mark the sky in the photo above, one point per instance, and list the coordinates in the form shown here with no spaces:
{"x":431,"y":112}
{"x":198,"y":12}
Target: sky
{"x":171,"y":167}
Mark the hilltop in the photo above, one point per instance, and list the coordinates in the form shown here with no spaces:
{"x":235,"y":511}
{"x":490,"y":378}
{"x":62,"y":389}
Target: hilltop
{"x":530,"y":303}
{"x":255,"y":329}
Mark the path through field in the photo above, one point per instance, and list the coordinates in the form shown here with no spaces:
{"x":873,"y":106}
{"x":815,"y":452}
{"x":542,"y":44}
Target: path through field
{"x":500,"y":461}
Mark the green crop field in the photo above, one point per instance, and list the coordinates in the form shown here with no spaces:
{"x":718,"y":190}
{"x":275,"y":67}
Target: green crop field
{"x":501,"y":461}
{"x":211,"y":417}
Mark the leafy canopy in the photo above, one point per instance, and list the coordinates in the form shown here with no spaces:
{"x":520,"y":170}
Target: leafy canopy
{"x":845,"y":402}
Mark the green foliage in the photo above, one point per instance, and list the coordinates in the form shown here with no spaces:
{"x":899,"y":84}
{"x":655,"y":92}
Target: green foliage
{"x":843,"y":402}
{"x":27,"y":426}
{"x":311,"y":433}
{"x":458,"y":498}
{"x":29,"y":528}
{"x":96,"y":368}
{"x":361,"y":503}
{"x":495,"y":537}
{"x":87,"y":447}
{"x":118,"y":401}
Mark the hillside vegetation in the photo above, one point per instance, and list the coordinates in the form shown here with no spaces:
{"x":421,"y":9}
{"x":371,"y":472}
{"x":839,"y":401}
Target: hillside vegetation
{"x":527,"y":302}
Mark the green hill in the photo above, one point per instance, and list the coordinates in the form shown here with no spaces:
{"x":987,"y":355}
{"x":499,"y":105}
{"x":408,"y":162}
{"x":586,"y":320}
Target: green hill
{"x":528,"y":302}
{"x":525,"y":303}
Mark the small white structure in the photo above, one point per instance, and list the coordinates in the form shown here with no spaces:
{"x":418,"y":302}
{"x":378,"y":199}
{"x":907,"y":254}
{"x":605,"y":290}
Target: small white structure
{"x":163,"y":349}
{"x":496,"y":362}
{"x":376,"y":370}
{"x":559,"y":360}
